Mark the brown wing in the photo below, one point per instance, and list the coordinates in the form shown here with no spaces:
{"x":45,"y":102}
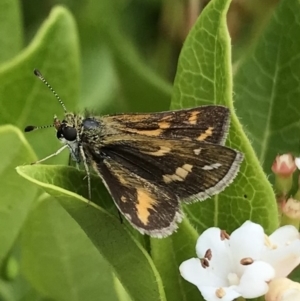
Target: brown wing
{"x":191,"y":170}
{"x":149,"y":207}
{"x":205,"y":123}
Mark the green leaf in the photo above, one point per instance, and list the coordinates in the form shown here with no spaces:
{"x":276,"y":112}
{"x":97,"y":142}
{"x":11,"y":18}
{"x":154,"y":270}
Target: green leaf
{"x":130,"y":262}
{"x":204,"y":77}
{"x":122,"y":294}
{"x":295,"y":275}
{"x":11,"y":31}
{"x":267,"y":87}
{"x":59,"y":259}
{"x":19,"y":289}
{"x":24,"y":99}
{"x":168,"y":254}
{"x":16,"y":195}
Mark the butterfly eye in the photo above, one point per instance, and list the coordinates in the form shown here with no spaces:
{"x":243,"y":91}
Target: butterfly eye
{"x":69,"y":133}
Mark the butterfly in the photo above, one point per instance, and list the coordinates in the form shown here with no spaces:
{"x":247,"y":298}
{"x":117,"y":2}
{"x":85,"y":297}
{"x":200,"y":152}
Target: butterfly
{"x":152,"y":162}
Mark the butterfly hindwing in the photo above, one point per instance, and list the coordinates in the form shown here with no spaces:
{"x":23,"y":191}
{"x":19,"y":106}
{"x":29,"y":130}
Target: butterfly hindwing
{"x":191,"y":170}
{"x":151,"y":208}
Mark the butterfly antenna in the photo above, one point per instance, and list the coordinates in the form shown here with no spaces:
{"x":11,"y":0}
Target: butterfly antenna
{"x":30,"y":128}
{"x":41,"y":77}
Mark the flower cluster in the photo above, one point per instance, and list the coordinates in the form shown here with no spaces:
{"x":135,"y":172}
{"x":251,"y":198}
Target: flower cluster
{"x":246,"y":264}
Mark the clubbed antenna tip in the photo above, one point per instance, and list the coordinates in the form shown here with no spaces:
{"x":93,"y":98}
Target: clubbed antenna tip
{"x":29,"y":128}
{"x":37,"y":73}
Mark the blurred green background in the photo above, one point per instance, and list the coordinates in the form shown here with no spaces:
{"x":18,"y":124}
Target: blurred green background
{"x":138,"y":41}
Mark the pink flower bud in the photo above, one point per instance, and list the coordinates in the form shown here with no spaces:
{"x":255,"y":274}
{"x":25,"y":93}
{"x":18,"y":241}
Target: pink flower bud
{"x":284,"y":165}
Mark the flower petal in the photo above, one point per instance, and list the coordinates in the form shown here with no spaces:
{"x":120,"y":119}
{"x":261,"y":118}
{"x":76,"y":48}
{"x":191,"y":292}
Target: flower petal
{"x":210,"y":238}
{"x":283,"y":235}
{"x":291,"y":295}
{"x":192,"y":271}
{"x":220,"y":260}
{"x":253,"y":282}
{"x":211,"y":293}
{"x":246,"y":242}
{"x":283,"y":259}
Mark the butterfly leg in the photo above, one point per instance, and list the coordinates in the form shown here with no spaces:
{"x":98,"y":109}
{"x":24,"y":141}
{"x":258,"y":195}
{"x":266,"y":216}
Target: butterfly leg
{"x":52,"y":155}
{"x":87,"y":170}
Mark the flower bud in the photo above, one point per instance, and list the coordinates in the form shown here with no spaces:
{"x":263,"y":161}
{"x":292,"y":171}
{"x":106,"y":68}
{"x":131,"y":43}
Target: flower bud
{"x":283,"y":289}
{"x":283,"y":167}
{"x":291,"y":208}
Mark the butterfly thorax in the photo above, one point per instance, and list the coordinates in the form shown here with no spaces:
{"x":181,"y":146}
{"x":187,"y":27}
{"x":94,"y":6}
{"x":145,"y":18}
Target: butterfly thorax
{"x":92,"y":135}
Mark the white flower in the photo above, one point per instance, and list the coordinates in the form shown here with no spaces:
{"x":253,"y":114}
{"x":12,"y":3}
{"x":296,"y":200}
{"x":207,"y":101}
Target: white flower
{"x":282,"y":250}
{"x":242,"y":264}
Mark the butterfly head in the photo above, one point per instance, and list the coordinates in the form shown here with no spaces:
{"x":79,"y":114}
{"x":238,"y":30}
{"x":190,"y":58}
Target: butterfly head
{"x":66,"y":130}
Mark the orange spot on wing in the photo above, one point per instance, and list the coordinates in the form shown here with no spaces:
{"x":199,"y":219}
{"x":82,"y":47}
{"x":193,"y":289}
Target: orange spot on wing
{"x":161,"y":152}
{"x":154,"y":133}
{"x":180,"y":174}
{"x":145,"y":202}
{"x":164,"y":125}
{"x":206,"y":134}
{"x":193,"y":117}
{"x":169,"y":117}
{"x":131,"y":117}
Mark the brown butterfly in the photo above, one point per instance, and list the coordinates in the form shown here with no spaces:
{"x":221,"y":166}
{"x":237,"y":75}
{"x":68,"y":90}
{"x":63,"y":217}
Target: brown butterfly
{"x":151,"y":162}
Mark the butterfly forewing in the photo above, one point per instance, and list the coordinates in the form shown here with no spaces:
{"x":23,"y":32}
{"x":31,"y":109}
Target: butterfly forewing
{"x":206,"y":123}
